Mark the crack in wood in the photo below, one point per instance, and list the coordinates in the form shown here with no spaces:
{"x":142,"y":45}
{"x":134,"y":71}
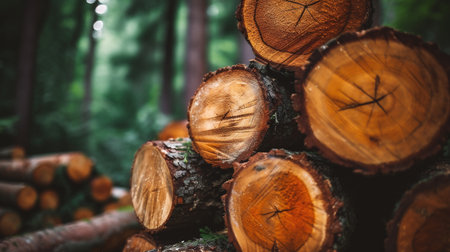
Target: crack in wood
{"x":304,"y":7}
{"x":276,"y":212}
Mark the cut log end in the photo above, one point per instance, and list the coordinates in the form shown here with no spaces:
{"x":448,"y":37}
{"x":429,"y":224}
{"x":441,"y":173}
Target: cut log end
{"x":10,"y":222}
{"x":284,"y":33}
{"x":101,"y":188}
{"x":79,"y":167}
{"x":26,"y":198}
{"x":139,"y":242}
{"x":376,"y":100}
{"x":151,"y":179}
{"x":44,"y":173}
{"x":175,"y":130}
{"x":83,"y":213}
{"x":228,"y":116}
{"x":422,"y":222}
{"x":277,"y":204}
{"x":48,"y":199}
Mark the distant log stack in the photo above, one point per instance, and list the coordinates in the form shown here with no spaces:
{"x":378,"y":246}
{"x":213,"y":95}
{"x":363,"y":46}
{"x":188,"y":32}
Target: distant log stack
{"x":40,"y":173}
{"x":18,"y":196}
{"x":280,"y":202}
{"x":101,"y":188}
{"x":284,"y":33}
{"x":48,"y":200}
{"x":422,"y":218}
{"x":85,"y":236}
{"x":238,"y":110}
{"x":12,"y":153}
{"x":172,"y":187}
{"x":376,"y":101}
{"x":10,"y":222}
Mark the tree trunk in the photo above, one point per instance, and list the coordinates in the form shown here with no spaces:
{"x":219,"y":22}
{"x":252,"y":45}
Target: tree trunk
{"x":48,"y":200}
{"x":422,"y":218}
{"x":40,"y":173}
{"x":284,"y":33}
{"x":17,"y":196}
{"x":89,"y":68}
{"x":10,"y":222}
{"x":33,"y":15}
{"x":376,"y":101}
{"x":196,"y":63}
{"x":279,"y":201}
{"x":171,"y":187}
{"x":80,"y":236}
{"x":101,"y":188}
{"x":139,"y":242}
{"x":238,"y":110}
{"x":166,"y":100}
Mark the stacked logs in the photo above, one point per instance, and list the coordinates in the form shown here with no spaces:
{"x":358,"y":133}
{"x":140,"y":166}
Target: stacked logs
{"x":49,"y":190}
{"x":321,"y":95}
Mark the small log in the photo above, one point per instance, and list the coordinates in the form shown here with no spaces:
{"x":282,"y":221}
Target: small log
{"x":421,"y":221}
{"x":48,"y":200}
{"x":284,"y":33}
{"x":139,"y":242}
{"x":83,"y":213}
{"x":10,"y":222}
{"x":177,"y":129}
{"x":172,"y":187}
{"x":79,"y":236}
{"x":40,"y":173}
{"x":15,"y":152}
{"x":78,"y":166}
{"x":101,"y":188}
{"x":238,"y":110}
{"x":279,"y":201}
{"x":17,"y":195}
{"x":376,"y":101}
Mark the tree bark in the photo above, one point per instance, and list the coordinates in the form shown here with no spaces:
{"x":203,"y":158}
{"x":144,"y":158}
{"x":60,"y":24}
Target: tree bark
{"x":139,"y":242}
{"x":284,"y":33}
{"x":79,"y":236}
{"x":238,"y":110}
{"x":376,"y":101}
{"x":171,"y":187}
{"x":280,"y":201}
{"x":17,"y":196}
{"x":196,"y":63}
{"x":33,"y":15}
{"x":422,"y":218}
{"x":10,"y":222}
{"x":166,"y":101}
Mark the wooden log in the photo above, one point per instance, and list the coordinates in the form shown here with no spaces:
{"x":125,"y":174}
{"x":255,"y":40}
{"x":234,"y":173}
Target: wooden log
{"x":83,"y":213}
{"x":280,"y":201}
{"x":17,"y":195}
{"x":78,"y":166}
{"x":139,"y":242}
{"x":176,"y":129}
{"x":10,"y":222}
{"x":284,"y":33}
{"x":238,"y":110}
{"x":101,"y":188}
{"x":421,"y":220}
{"x":78,"y":236}
{"x":173,"y":188}
{"x":376,"y":101}
{"x":48,"y":200}
{"x":40,"y":173}
{"x":15,"y":152}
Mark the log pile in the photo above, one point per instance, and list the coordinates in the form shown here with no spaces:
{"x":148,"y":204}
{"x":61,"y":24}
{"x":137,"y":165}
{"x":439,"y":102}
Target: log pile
{"x":50,"y":190}
{"x":322,"y":95}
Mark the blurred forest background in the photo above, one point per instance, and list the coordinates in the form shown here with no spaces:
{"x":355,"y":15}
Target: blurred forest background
{"x":104,"y":76}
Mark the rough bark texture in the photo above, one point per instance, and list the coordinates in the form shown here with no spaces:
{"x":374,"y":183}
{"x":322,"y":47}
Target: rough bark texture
{"x":177,"y":129}
{"x":172,"y":187}
{"x":377,"y":100}
{"x":36,"y":171}
{"x":281,"y":201}
{"x":421,"y":220}
{"x":238,"y":110}
{"x":139,"y":242}
{"x":10,"y":222}
{"x":17,"y":195}
{"x":78,"y":236}
{"x":284,"y":33}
